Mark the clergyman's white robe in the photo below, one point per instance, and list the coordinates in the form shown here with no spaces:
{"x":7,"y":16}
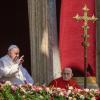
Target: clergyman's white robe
{"x":10,"y":71}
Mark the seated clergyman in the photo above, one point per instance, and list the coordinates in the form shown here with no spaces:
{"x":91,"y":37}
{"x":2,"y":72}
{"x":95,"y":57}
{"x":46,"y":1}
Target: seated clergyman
{"x":65,"y":80}
{"x":11,"y":68}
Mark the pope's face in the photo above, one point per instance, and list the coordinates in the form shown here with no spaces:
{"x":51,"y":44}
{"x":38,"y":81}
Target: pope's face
{"x":67,"y":74}
{"x":14,"y":53}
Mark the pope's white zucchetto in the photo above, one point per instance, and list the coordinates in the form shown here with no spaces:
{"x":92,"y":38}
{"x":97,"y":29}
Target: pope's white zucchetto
{"x":12,"y":46}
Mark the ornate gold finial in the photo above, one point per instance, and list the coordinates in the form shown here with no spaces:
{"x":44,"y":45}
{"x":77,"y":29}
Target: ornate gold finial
{"x":93,"y":18}
{"x":85,"y":36}
{"x":85,"y":8}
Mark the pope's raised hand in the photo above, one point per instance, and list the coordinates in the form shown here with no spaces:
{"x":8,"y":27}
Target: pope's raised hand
{"x":21,"y":60}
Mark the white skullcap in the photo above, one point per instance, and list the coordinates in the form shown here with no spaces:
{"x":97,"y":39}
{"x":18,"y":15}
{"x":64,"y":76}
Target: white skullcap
{"x":12,"y":46}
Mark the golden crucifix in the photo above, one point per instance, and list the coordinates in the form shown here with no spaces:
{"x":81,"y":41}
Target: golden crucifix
{"x":85,"y":36}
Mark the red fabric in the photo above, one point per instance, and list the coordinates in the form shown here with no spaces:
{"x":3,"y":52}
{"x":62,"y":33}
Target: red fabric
{"x":59,"y":82}
{"x":71,"y":50}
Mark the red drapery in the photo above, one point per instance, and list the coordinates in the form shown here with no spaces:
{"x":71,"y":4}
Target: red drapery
{"x":71,"y":50}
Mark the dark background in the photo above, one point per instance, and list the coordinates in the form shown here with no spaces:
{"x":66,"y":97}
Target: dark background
{"x":58,"y":10}
{"x":14,"y":27}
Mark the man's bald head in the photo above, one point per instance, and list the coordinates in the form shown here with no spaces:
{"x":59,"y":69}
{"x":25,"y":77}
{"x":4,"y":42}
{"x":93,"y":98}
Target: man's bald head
{"x":67,"y":69}
{"x":67,"y":73}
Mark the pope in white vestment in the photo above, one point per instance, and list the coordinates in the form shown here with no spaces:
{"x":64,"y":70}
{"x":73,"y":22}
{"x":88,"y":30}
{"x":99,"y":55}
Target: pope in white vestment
{"x":13,"y":71}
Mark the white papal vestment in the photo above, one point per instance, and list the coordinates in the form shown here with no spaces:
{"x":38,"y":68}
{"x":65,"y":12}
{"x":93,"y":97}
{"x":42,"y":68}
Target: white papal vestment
{"x":13,"y":72}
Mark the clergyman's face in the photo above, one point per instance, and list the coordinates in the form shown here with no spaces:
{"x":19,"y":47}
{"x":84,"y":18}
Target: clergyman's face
{"x":14,"y":53}
{"x":67,"y":74}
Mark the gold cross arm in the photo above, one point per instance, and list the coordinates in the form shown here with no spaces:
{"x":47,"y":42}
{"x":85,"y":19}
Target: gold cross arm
{"x":85,"y":17}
